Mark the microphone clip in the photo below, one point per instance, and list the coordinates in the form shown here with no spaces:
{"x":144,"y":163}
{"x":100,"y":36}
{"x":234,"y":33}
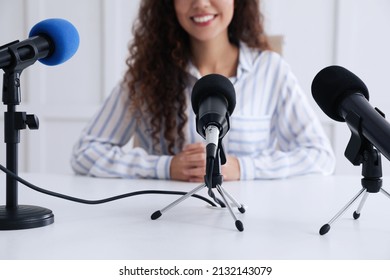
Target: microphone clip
{"x":357,"y":143}
{"x":17,"y":48}
{"x":361,"y":151}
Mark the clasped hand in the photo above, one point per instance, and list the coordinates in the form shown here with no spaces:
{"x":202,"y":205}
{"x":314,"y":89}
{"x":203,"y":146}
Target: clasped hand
{"x":190,"y":165}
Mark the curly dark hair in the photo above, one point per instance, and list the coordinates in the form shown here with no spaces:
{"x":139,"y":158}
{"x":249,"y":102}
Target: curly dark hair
{"x":161,"y":48}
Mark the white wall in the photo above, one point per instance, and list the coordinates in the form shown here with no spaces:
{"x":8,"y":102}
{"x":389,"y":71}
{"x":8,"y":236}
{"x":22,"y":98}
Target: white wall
{"x":318,"y":33}
{"x":363,"y":45}
{"x":64,"y":97}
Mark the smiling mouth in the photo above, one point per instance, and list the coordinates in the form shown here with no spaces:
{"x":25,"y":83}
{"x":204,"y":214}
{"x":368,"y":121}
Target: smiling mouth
{"x":203,"y":19}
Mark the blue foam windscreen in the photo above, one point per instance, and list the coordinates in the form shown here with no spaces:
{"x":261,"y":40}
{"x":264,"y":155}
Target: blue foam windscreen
{"x":62,"y":34}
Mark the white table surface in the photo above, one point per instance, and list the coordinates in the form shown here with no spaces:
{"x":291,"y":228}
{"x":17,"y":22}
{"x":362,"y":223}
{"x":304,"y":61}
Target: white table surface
{"x":282,"y":221}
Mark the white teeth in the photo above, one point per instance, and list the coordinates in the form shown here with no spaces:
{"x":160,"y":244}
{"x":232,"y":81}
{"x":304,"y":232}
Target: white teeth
{"x":203,"y":19}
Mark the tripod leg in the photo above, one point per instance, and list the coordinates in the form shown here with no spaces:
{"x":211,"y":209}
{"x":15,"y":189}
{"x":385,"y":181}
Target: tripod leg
{"x":356,"y":214}
{"x":325,"y":228}
{"x":238,"y":223}
{"x":240,"y":206}
{"x":385,"y":193}
{"x":158,"y":213}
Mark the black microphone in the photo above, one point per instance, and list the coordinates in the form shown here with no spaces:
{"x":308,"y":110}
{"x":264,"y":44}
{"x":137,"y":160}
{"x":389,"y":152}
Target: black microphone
{"x":213,"y":101}
{"x":340,"y":93}
{"x":51,"y":41}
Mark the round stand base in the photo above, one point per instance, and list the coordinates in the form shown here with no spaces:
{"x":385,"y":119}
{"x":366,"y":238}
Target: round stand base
{"x":24,"y":217}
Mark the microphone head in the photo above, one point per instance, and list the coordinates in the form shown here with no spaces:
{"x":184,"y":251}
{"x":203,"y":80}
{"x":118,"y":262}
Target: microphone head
{"x":331,"y":85}
{"x":62,"y":34}
{"x":213,"y":84}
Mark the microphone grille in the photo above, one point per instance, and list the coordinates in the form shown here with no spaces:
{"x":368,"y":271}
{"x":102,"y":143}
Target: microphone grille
{"x":63,"y":35}
{"x":213,"y":84}
{"x":331,"y":85}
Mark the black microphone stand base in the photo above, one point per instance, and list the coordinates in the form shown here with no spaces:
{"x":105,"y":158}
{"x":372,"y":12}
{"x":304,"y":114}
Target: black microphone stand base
{"x":212,"y":181}
{"x":225,"y":196}
{"x":24,"y":217}
{"x":14,"y":216}
{"x":356,"y":214}
{"x":361,"y":152}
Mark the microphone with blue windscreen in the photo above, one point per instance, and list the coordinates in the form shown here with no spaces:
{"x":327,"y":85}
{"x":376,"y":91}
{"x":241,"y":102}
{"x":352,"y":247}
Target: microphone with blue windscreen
{"x":63,"y":36}
{"x":51,"y":41}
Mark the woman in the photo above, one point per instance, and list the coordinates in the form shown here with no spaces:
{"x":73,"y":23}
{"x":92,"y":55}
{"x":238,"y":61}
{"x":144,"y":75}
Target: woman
{"x":274,"y":133}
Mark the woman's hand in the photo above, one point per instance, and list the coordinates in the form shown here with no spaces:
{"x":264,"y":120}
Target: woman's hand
{"x":190,"y":165}
{"x":231,"y":169}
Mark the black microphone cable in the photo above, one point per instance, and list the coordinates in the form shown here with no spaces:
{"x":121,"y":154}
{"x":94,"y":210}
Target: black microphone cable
{"x":209,"y":181}
{"x":100,"y":201}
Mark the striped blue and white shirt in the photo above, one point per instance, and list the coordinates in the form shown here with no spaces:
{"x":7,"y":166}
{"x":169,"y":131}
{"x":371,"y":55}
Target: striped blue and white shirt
{"x":274,"y":132}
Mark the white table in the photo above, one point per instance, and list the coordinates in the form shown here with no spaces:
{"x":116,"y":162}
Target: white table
{"x":282,"y":221}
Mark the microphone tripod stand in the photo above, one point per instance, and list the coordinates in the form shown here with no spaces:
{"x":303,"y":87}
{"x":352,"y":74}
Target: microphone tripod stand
{"x":12,"y":215}
{"x":361,"y":151}
{"x":213,"y":181}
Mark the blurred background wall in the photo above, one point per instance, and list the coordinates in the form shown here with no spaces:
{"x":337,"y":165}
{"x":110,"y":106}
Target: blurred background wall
{"x":317,"y":33}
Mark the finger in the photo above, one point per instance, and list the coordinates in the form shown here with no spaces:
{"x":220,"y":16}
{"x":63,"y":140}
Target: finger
{"x":195,"y":172}
{"x":196,"y":179}
{"x":194,"y":147}
{"x":195,"y":159}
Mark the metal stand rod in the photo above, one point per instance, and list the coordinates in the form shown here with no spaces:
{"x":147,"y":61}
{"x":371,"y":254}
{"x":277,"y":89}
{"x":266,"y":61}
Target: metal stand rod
{"x":222,"y":192}
{"x":346,"y":207}
{"x":385,"y":193}
{"x":362,"y":202}
{"x":224,"y":195}
{"x":177,"y":201}
{"x":235,"y":202}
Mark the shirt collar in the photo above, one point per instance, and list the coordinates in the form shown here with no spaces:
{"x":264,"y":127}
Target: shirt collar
{"x":246,"y":57}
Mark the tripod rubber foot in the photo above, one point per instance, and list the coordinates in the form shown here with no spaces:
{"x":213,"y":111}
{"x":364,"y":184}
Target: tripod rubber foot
{"x":356,"y":215}
{"x":25,"y":217}
{"x":242,"y":209}
{"x":324,"y":229}
{"x":156,"y":215}
{"x":239,"y":225}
